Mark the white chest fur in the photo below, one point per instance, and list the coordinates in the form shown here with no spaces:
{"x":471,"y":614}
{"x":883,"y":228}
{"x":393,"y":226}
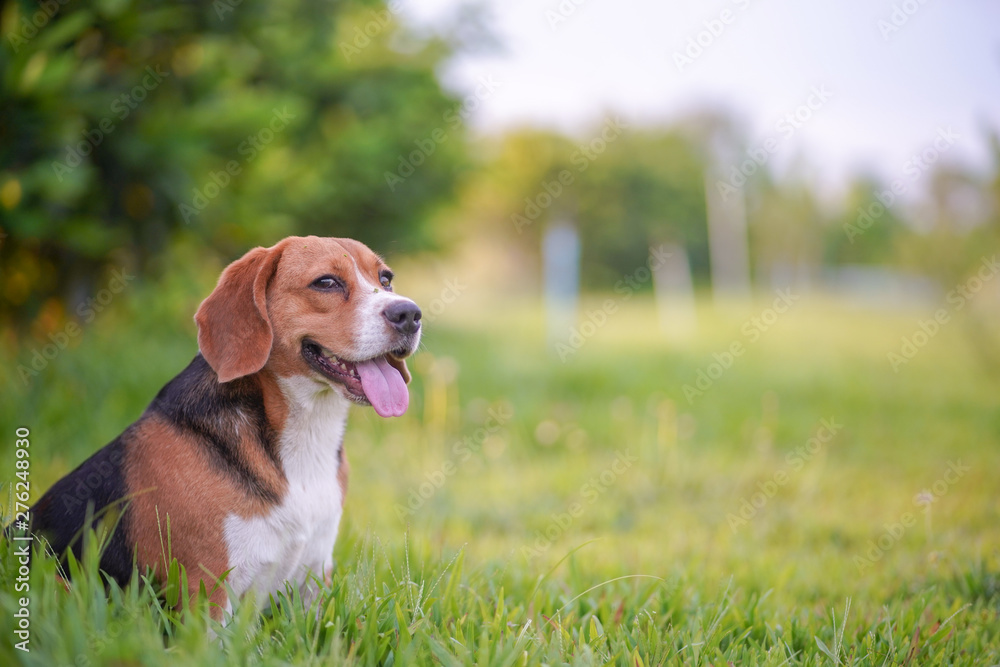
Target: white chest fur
{"x":296,"y":538}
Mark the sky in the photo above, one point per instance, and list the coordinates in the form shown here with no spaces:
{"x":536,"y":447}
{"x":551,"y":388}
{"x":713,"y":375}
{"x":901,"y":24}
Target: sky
{"x":887,"y":89}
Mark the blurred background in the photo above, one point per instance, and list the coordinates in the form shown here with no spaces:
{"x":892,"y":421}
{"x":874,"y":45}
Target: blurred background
{"x":677,"y":235}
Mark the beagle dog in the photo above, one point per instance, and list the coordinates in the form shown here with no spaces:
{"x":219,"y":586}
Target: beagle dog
{"x":237,"y":467}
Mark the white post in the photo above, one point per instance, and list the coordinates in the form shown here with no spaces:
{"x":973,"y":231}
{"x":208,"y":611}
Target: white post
{"x":674,"y":294}
{"x":727,"y":243}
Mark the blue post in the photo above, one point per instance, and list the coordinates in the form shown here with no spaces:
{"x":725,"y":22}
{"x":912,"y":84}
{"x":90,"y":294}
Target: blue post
{"x":561,"y":260}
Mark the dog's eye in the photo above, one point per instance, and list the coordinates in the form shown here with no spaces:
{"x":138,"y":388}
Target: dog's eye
{"x":386,"y":279}
{"x":327,"y":283}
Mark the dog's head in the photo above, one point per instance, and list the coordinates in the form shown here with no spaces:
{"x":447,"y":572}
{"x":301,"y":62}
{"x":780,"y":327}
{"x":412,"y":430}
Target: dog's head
{"x":320,"y":307}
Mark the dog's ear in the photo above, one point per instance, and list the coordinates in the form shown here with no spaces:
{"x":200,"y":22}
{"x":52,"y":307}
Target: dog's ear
{"x":399,"y":365}
{"x":234,"y":331}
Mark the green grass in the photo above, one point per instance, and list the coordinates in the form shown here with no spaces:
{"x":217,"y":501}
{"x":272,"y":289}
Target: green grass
{"x":650,"y":568}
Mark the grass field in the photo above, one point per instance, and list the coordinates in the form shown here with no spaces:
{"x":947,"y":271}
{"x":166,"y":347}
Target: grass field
{"x":810,"y":507}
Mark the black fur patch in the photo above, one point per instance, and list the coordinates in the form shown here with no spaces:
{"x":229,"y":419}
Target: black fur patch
{"x":97,"y":486}
{"x":195,"y":401}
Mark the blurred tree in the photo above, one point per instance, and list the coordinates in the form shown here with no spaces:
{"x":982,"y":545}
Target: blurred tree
{"x":624,"y":189}
{"x":960,"y":221}
{"x":786,"y":232}
{"x":867,"y":231}
{"x":955,"y":220}
{"x":982,"y":327}
{"x":647,"y":189}
{"x":239,"y":121}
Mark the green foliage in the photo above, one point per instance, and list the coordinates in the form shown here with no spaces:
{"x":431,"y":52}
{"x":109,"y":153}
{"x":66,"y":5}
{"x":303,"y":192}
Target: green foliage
{"x":867,"y":232}
{"x":629,"y":189}
{"x":646,"y":189}
{"x":625,"y":189}
{"x":237,"y":122}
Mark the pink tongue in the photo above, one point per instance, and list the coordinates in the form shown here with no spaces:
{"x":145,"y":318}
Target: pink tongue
{"x":384,"y":387}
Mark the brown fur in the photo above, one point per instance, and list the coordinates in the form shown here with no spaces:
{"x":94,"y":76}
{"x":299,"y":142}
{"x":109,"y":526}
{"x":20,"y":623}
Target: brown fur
{"x":188,"y":463}
{"x":266,"y":289}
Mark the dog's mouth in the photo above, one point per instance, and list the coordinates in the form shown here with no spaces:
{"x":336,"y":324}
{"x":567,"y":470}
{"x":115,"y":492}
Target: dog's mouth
{"x":378,"y":382}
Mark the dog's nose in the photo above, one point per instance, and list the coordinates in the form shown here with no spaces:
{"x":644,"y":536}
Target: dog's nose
{"x":404,"y":316}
